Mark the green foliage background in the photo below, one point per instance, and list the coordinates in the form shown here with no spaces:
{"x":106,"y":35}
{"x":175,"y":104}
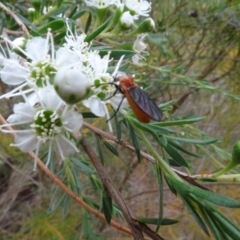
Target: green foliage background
{"x":194,"y":60}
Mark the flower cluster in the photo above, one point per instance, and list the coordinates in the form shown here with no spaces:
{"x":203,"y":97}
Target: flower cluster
{"x":127,"y":12}
{"x":52,"y":82}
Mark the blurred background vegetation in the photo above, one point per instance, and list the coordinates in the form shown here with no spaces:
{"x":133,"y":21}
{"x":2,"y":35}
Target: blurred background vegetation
{"x":195,"y":49}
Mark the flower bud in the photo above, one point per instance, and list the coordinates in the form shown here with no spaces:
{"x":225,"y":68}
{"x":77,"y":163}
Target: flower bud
{"x":17,"y":44}
{"x":32,"y":13}
{"x":126,"y":20}
{"x":72,"y":85}
{"x":147,"y":25}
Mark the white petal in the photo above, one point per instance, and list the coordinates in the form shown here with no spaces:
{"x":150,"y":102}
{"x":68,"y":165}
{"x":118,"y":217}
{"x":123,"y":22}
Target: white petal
{"x":65,"y":146}
{"x":22,"y":113}
{"x":38,"y":48}
{"x":73,"y":120}
{"x":26,"y":141}
{"x":13,"y":73}
{"x":65,"y":57}
{"x":95,"y":105}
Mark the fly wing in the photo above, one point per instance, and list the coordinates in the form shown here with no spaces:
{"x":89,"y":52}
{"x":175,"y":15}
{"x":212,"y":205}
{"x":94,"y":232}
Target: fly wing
{"x":145,"y":103}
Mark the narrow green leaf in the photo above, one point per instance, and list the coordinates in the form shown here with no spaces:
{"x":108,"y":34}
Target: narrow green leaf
{"x":118,"y":128}
{"x":194,"y":213}
{"x":117,"y":54}
{"x":53,"y":25}
{"x":83,"y":166}
{"x":111,"y":148}
{"x":176,"y":156}
{"x":95,"y":182}
{"x":73,"y":11}
{"x":60,"y":10}
{"x":107,"y":206}
{"x":227,"y":226}
{"x":56,"y":204}
{"x":66,"y":202}
{"x":155,"y":221}
{"x":166,"y":104}
{"x":78,"y":14}
{"x":93,"y":35}
{"x":59,"y":36}
{"x":160,"y":195}
{"x":211,"y":196}
{"x":77,"y":183}
{"x":171,"y":186}
{"x":180,"y":148}
{"x":99,"y":148}
{"x":88,"y":23}
{"x":193,"y":141}
{"x":179,"y":122}
{"x":211,"y":224}
{"x":24,"y":20}
{"x":134,"y":139}
{"x":162,"y":140}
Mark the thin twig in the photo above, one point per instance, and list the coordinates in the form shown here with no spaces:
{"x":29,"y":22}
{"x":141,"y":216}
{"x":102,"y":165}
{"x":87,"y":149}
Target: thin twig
{"x":136,"y":227}
{"x":71,"y":194}
{"x":113,"y":191}
{"x":15,"y":17}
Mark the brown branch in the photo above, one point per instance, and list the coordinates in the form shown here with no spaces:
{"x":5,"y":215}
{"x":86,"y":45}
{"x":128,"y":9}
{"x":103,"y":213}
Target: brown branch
{"x":15,"y":17}
{"x":113,"y":191}
{"x":70,"y":193}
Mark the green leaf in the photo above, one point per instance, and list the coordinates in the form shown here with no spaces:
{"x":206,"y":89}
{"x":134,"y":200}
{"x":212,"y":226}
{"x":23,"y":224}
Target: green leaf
{"x":95,"y":182}
{"x":210,"y":196}
{"x":134,"y":139}
{"x":180,"y":148}
{"x":99,"y":148}
{"x":78,"y":14}
{"x":111,"y":148}
{"x":164,"y":105}
{"x":155,"y":221}
{"x":60,"y":10}
{"x":176,"y":156}
{"x":226,"y":225}
{"x":118,"y":128}
{"x":55,"y":204}
{"x":211,"y":223}
{"x":160,"y":195}
{"x":117,"y":54}
{"x":77,"y":185}
{"x":88,"y":23}
{"x":66,"y":202}
{"x":193,"y":211}
{"x":93,"y":35}
{"x":53,"y":25}
{"x":180,"y":122}
{"x":83,"y":167}
{"x":193,"y":141}
{"x":73,"y":11}
{"x":59,"y":36}
{"x":24,"y":20}
{"x":107,"y":206}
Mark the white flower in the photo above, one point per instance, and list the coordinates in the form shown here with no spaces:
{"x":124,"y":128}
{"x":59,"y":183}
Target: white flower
{"x":139,"y":46}
{"x":105,"y":91}
{"x":49,"y":120}
{"x":39,"y":66}
{"x":127,"y":20}
{"x":140,"y":7}
{"x":100,"y":3}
